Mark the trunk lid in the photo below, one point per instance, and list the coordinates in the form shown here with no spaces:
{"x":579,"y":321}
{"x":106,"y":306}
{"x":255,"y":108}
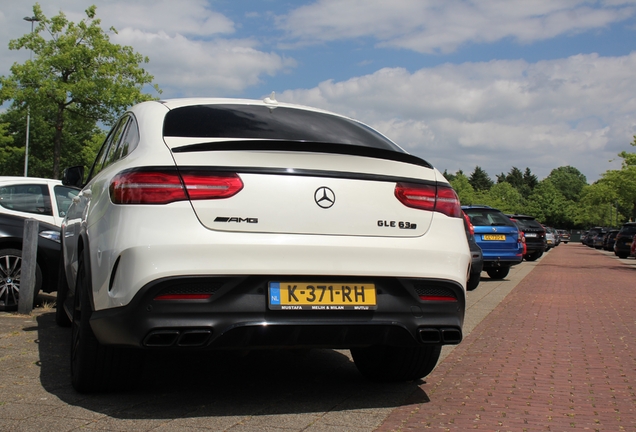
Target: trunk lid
{"x":287,"y":192}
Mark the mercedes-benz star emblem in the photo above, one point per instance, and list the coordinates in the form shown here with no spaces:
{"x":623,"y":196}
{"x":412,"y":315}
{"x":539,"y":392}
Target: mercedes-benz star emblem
{"x":324,"y":197}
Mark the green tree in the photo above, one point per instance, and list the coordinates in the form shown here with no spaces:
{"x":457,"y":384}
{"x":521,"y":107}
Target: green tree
{"x":629,"y":159}
{"x":464,"y":190}
{"x":548,"y":205}
{"x":623,"y":182}
{"x":529,"y":179}
{"x":77,"y":76}
{"x":523,"y":182}
{"x":504,"y":197}
{"x":622,"y":186}
{"x":480,"y":180}
{"x":77,"y":132}
{"x":569,"y":181}
{"x":7,"y":150}
{"x":515,"y":178}
{"x":595,"y":202}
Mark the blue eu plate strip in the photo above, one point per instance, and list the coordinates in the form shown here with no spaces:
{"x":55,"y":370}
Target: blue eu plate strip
{"x":274,"y":293}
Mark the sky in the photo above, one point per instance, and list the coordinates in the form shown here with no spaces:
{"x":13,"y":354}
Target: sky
{"x":497,"y":84}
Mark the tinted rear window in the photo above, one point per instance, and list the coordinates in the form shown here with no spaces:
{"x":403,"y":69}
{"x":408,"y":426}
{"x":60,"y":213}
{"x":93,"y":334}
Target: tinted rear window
{"x":484,"y":217}
{"x":529,"y":224}
{"x":260,"y":122}
{"x":628,"y":230}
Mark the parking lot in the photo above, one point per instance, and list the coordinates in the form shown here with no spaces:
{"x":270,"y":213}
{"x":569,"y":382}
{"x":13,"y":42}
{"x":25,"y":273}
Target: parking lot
{"x":551,"y":347}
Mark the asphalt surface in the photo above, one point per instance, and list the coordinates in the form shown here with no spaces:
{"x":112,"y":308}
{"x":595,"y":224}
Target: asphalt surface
{"x":552,"y":347}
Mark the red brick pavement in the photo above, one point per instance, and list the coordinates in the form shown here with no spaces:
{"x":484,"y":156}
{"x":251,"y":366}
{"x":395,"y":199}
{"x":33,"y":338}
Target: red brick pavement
{"x":558,"y":353}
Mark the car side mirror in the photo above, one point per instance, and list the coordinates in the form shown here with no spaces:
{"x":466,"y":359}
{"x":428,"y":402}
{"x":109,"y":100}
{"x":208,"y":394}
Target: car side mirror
{"x":73,"y":176}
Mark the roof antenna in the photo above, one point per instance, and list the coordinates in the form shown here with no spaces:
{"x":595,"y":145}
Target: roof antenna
{"x":271,"y":99}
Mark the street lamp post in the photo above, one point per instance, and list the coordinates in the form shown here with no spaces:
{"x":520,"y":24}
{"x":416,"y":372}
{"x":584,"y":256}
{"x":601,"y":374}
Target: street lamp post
{"x":26,"y":152}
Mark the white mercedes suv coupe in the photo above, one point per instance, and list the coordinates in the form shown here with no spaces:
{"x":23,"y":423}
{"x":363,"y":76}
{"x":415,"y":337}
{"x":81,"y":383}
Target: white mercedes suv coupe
{"x":210,"y":224}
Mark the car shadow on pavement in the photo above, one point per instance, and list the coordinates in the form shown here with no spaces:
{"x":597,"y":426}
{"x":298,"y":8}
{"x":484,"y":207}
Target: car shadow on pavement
{"x":204,"y":384}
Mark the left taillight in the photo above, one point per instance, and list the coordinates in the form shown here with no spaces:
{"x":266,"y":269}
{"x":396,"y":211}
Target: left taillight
{"x":166,"y":186}
{"x":471,"y":227}
{"x":438,"y":198}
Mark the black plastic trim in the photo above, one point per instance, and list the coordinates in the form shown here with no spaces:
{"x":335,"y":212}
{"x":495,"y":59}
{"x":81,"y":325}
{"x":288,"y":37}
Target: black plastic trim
{"x":287,"y":172}
{"x":237,"y":316}
{"x":302,"y":146}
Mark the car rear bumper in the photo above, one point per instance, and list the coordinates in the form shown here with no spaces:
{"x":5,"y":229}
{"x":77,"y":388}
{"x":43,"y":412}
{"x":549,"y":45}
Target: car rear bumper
{"x":491,"y":260}
{"x":622,"y":245}
{"x":532,"y":247}
{"x":237,"y":316}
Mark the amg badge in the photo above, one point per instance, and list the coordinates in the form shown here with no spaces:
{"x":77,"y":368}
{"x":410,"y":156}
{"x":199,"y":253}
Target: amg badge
{"x":236,"y":219}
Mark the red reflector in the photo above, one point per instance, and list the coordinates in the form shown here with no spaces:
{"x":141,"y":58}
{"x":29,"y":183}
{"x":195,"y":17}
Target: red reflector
{"x":183,"y":297}
{"x":438,"y":298}
{"x":439,"y":198}
{"x":166,"y":186}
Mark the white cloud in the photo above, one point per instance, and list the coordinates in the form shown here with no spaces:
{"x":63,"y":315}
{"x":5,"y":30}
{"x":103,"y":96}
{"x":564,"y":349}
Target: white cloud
{"x":188,"y":56}
{"x":430,"y":26}
{"x":218,"y":67}
{"x":498,"y":113}
{"x":187,"y":17}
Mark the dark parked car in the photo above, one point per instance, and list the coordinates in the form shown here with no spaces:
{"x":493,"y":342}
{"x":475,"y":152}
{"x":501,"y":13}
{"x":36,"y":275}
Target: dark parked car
{"x":588,"y":239}
{"x":48,"y":256}
{"x":498,"y":237}
{"x":597,"y":239}
{"x":609,"y":240}
{"x":564,"y":235}
{"x":624,"y":239}
{"x":534,"y":234}
{"x":477,"y":256}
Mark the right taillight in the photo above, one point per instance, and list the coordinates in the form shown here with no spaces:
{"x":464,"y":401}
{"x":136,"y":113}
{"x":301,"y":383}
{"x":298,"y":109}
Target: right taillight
{"x":439,"y":198}
{"x":157,"y":186}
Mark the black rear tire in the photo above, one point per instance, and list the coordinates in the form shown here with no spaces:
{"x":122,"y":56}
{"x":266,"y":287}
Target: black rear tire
{"x":96,"y":367}
{"x":393,"y":364}
{"x":61,"y":317}
{"x":498,"y":272}
{"x":473,"y":281}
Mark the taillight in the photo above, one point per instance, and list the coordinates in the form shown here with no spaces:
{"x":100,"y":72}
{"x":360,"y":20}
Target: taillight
{"x":166,"y":186}
{"x":202,"y":186}
{"x":439,"y":198}
{"x":471,"y":227}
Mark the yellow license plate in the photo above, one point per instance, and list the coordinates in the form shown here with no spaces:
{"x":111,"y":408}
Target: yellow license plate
{"x":494,"y":237}
{"x":321,"y":296}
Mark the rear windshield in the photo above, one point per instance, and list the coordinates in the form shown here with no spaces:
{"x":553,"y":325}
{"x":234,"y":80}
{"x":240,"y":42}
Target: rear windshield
{"x":260,"y":122}
{"x":628,"y":230}
{"x":485,"y":217}
{"x":525,"y":224}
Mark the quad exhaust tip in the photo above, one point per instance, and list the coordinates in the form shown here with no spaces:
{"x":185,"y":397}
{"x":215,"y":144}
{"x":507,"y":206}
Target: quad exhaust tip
{"x":177,"y":338}
{"x":440,"y":336}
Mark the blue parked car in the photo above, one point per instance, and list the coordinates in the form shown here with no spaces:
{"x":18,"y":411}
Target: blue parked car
{"x":498,"y":237}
